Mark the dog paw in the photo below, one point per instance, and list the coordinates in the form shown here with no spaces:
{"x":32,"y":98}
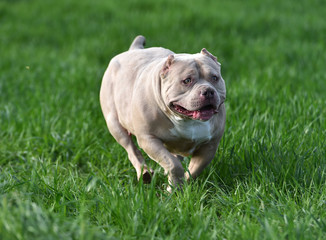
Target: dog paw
{"x":147,"y":177}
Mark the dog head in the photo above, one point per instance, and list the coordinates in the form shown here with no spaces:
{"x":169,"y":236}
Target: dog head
{"x":192,"y":86}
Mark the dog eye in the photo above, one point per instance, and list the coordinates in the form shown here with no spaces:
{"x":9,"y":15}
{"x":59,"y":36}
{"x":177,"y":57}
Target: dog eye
{"x":187,"y":81}
{"x":215,"y":78}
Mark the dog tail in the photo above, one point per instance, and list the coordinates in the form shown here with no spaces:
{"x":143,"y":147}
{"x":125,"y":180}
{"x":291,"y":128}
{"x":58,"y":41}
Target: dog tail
{"x":138,"y":43}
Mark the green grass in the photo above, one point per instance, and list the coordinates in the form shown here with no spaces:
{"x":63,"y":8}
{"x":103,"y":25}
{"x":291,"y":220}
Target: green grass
{"x":62,"y":176}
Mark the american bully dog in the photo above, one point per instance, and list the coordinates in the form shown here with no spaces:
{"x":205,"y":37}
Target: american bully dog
{"x":172,"y":103}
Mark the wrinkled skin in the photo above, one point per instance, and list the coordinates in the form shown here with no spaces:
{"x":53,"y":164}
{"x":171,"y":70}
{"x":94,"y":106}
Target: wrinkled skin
{"x":172,"y":103}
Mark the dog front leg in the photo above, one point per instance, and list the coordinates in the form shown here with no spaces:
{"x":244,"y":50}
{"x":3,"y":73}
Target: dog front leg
{"x":155,"y":149}
{"x":201,"y":158}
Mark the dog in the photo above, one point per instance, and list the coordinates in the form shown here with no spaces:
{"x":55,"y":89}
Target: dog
{"x":172,"y":103}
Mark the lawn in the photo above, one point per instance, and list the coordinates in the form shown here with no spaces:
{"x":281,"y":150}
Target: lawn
{"x":63,"y":176}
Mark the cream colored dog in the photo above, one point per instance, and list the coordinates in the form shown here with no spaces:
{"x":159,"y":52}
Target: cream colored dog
{"x":172,"y":103}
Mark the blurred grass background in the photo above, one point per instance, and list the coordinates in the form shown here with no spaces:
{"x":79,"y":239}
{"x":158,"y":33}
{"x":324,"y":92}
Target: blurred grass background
{"x":63,"y":176}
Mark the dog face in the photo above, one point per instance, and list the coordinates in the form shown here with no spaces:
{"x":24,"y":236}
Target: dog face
{"x":192,"y":85}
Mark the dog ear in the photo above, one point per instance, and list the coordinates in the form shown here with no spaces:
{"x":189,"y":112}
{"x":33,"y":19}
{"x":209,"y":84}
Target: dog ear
{"x":167,"y":65}
{"x":208,"y":54}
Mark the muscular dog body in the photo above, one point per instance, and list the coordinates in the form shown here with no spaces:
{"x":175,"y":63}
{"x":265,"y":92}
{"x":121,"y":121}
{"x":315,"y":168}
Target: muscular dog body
{"x":172,"y":103}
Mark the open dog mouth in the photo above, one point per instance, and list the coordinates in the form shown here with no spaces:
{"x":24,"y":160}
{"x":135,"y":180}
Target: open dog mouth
{"x":204,"y":113}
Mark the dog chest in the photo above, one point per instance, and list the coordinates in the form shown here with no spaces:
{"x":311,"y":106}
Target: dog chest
{"x":196,"y":131}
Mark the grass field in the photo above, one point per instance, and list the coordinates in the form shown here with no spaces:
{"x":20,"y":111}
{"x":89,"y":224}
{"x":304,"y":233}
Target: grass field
{"x":62,"y":176}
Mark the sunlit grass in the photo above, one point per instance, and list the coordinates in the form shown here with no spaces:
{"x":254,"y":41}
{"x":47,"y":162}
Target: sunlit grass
{"x":62,"y":176}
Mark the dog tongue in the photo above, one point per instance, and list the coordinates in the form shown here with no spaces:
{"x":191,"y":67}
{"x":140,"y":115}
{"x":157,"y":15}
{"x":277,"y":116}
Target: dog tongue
{"x":203,"y":114}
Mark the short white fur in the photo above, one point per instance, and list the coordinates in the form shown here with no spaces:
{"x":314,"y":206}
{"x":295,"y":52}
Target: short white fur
{"x":194,"y":130}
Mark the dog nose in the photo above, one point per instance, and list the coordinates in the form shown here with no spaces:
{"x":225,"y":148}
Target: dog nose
{"x":207,"y":93}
